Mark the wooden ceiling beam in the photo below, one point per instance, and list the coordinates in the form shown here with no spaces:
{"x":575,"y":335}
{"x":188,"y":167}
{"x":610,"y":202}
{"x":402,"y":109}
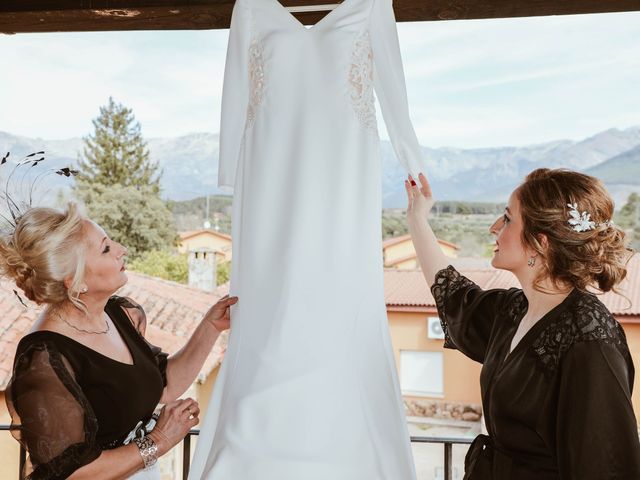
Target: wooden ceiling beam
{"x":30,"y":16}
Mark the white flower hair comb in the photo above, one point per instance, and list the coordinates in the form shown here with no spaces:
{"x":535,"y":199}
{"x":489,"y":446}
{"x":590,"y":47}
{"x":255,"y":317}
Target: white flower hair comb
{"x":581,"y":222}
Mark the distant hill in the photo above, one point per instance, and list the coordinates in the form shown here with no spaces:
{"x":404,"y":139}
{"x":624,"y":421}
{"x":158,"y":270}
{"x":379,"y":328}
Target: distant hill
{"x":491,"y":174}
{"x":190,"y":164}
{"x":621,"y":169}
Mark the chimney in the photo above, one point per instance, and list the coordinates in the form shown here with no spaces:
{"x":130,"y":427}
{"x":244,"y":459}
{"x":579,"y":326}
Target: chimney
{"x":202,"y":269}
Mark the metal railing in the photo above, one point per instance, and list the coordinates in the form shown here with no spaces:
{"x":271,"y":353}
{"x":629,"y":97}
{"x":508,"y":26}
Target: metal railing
{"x":447,"y":442}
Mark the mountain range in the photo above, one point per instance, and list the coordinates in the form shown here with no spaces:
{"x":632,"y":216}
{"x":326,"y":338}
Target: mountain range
{"x":190,"y":164}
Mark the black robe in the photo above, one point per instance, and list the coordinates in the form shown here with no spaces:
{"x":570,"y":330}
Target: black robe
{"x":558,"y":406}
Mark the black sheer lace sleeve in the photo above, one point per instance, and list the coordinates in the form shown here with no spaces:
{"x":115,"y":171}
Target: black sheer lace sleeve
{"x":50,"y":415}
{"x":467,"y":313}
{"x":138,"y":318}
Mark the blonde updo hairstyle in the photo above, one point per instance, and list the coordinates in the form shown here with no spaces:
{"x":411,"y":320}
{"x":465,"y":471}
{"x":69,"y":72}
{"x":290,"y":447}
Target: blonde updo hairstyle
{"x":46,"y":247}
{"x":595,"y":258}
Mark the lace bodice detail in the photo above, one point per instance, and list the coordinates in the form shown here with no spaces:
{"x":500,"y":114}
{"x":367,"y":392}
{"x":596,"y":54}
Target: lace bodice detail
{"x":585,"y":321}
{"x":361,"y":82}
{"x":256,"y":80}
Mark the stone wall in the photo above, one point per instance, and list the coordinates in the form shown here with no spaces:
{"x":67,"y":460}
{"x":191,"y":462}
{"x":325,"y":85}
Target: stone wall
{"x":443,"y":410}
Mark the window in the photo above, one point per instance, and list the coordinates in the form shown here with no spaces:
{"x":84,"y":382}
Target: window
{"x":421,"y":373}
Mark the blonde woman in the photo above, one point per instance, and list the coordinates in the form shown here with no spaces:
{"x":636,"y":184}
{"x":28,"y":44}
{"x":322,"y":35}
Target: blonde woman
{"x":85,"y":381}
{"x":556,"y":375}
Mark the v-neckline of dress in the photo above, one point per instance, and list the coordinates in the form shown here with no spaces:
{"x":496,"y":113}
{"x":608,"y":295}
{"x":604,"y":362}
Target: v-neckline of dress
{"x":301,"y":25}
{"x":98,"y":353}
{"x":535,"y":329}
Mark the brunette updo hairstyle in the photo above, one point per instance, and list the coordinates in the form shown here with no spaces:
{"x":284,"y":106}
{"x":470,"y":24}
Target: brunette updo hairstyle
{"x":596,"y":257}
{"x":46,"y":247}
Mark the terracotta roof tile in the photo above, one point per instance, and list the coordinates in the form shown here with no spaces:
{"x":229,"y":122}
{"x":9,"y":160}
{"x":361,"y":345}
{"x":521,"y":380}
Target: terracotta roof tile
{"x":403,"y":238}
{"x":395,"y":261}
{"x":173,"y":312}
{"x":407,"y":288}
{"x":393,"y":240}
{"x":192,"y":233}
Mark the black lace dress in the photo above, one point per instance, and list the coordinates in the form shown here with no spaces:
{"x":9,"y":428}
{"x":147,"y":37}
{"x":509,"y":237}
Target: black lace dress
{"x":68,"y":402}
{"x":558,"y":406}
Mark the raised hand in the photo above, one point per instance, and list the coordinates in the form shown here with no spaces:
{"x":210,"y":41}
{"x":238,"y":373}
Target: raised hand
{"x":420,"y":198}
{"x":220,"y":314}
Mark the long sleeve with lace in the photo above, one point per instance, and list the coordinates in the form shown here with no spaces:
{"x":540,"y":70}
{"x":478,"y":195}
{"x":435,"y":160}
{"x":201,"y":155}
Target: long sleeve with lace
{"x":557,"y":407}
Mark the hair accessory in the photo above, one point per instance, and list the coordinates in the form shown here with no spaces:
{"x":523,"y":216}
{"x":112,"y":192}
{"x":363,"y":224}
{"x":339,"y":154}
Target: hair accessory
{"x":20,"y":298}
{"x":15,"y":208}
{"x":10,"y":216}
{"x":581,"y":222}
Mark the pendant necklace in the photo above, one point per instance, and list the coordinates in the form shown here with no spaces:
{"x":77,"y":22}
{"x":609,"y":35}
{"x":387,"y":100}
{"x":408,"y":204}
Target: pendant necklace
{"x":83,"y":330}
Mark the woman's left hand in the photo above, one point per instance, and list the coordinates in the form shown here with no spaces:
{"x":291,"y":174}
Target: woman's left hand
{"x":220,"y":314}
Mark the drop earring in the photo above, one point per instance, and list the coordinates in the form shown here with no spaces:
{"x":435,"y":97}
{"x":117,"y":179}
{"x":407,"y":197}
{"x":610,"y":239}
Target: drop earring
{"x":531,"y":262}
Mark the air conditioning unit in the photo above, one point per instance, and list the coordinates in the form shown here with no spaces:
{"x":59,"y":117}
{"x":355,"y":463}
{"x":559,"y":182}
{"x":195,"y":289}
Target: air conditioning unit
{"x":434,"y":329}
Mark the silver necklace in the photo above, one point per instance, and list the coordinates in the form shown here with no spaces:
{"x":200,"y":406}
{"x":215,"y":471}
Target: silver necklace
{"x":83,"y":330}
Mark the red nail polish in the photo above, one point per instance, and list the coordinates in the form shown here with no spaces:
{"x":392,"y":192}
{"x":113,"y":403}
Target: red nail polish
{"x":413,"y":183}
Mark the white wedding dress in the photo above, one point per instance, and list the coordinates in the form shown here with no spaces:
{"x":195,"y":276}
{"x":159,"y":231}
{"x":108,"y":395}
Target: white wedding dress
{"x":308,"y":389}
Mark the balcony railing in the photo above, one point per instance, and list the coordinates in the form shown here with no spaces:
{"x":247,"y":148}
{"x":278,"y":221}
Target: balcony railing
{"x":447,"y":442}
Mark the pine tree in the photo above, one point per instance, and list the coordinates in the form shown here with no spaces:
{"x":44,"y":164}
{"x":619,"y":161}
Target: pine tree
{"x":120,"y":186}
{"x":116,"y":153}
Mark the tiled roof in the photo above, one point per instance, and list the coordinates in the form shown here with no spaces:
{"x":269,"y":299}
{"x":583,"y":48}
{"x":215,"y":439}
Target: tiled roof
{"x":14,"y":323}
{"x":395,"y":261}
{"x":192,"y":233}
{"x":173,"y":312}
{"x":403,"y":238}
{"x":408,"y":288}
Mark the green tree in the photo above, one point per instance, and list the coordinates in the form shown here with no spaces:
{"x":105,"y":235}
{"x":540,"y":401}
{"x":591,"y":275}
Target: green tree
{"x":223,"y":271}
{"x":629,"y":215}
{"x":629,"y":218}
{"x":173,"y":266}
{"x":120,"y":186}
{"x":116,"y":153}
{"x":163,"y":264}
{"x":394,"y":224}
{"x":135,"y":217}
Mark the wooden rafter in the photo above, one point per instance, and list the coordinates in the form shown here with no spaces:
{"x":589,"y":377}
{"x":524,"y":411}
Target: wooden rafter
{"x":17,"y":16}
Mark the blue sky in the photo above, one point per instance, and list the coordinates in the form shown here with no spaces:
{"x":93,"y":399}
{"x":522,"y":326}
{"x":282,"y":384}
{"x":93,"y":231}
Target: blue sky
{"x":477,"y":83}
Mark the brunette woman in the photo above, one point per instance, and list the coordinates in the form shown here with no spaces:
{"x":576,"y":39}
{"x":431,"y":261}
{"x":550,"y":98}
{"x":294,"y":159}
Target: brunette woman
{"x":556,"y":375}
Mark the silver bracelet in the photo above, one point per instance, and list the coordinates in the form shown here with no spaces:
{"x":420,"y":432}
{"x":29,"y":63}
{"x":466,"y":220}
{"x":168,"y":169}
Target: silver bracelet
{"x":148,"y":451}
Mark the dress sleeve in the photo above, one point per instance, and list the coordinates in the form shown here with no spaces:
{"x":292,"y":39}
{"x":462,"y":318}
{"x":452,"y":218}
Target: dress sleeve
{"x":50,"y":415}
{"x":390,"y":87}
{"x":467,"y":313}
{"x":235,"y":94}
{"x":596,"y":430}
{"x":138,"y":318}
